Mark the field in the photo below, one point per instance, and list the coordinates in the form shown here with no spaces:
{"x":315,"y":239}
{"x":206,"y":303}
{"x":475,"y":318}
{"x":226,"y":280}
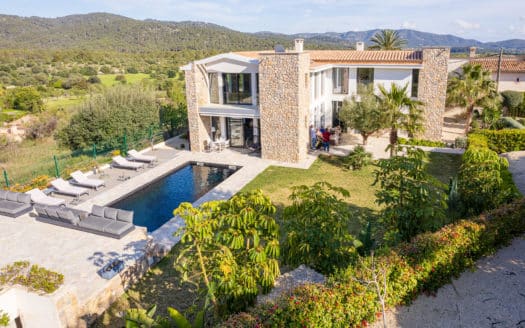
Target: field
{"x":109,"y":79}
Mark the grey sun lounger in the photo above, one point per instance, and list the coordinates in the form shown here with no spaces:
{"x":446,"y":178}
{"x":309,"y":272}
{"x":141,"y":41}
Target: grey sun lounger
{"x":80,"y":179}
{"x":134,"y":155}
{"x":63,"y":187}
{"x":14,"y":204}
{"x":121,"y":162}
{"x":38,"y":197}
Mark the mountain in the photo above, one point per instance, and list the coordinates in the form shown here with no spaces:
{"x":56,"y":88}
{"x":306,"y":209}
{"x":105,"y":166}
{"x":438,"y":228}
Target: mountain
{"x":102,"y":31}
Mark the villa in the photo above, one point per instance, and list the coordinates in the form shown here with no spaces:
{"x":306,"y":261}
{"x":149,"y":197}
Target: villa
{"x":269,"y":99}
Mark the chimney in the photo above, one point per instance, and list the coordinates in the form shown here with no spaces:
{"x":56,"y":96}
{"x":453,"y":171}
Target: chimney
{"x":298,"y":45}
{"x":471,"y":52}
{"x":360,"y":46}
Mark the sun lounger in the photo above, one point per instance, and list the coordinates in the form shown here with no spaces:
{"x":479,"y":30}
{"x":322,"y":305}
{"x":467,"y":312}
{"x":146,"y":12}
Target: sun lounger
{"x":38,"y":197}
{"x":63,"y":187}
{"x":135,"y":156}
{"x":14,"y":204}
{"x":81,"y":179}
{"x":121,"y":162}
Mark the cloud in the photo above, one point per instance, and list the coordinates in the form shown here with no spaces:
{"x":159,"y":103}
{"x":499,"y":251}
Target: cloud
{"x":409,"y":25}
{"x":467,"y":25}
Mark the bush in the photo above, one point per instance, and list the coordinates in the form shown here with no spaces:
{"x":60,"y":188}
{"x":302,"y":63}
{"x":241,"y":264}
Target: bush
{"x":88,"y":71}
{"x":460,"y":142}
{"x":25,"y":98}
{"x":121,"y":78}
{"x":42,"y":128}
{"x":421,"y":142}
{"x":35,"y":278}
{"x":132,"y":70}
{"x":4,"y":319}
{"x":93,"y":79}
{"x":426,"y":263}
{"x":502,"y":141}
{"x":358,"y":158}
{"x":512,"y":100}
{"x":508,"y":123}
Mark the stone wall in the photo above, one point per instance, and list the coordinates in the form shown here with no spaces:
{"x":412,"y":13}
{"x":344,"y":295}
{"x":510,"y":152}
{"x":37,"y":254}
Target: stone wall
{"x":432,"y":90}
{"x":197,"y":94}
{"x":284,"y":86}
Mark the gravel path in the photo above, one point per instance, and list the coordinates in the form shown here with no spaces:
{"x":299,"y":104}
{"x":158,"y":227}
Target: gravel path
{"x":491,"y":296}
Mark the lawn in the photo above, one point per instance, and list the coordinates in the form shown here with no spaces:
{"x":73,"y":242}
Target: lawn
{"x":109,"y":79}
{"x":56,"y":103}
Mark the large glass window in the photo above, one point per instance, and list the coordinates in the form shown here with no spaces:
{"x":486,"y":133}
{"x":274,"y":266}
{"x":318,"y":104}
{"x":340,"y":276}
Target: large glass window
{"x":340,"y":80}
{"x":365,"y":77}
{"x":415,"y":82}
{"x":237,"y":88}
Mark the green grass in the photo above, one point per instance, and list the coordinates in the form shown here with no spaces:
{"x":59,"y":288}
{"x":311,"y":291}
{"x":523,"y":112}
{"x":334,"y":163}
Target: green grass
{"x":54,"y":104}
{"x":8,"y":115}
{"x":109,"y":79}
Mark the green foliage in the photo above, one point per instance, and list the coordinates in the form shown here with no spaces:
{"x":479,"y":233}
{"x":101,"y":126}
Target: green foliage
{"x":88,"y":71}
{"x":512,"y":100}
{"x":140,"y":318}
{"x":460,"y":142}
{"x":425,"y":264}
{"x":35,"y":278}
{"x":93,"y":79}
{"x":4,"y":319}
{"x":421,"y":142}
{"x":357,"y":158}
{"x":103,"y":119}
{"x":26,"y":99}
{"x":413,"y":201}
{"x":174,"y":118}
{"x":231,"y":247}
{"x":317,"y":228}
{"x":501,"y":141}
{"x":365,"y":115}
{"x":509,"y":123}
{"x":491,"y":112}
{"x":387,"y":40}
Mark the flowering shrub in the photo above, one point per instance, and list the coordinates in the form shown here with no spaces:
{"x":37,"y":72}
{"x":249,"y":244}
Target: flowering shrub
{"x":425,"y":264}
{"x":40,"y":182}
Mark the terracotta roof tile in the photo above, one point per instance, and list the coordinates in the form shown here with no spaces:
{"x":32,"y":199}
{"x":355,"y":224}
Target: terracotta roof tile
{"x":508,"y":65}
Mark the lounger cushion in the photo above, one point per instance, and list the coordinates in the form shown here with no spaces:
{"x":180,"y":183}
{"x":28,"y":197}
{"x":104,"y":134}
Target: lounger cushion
{"x":12,"y":196}
{"x":98,"y":210}
{"x":110,"y":213}
{"x":125,"y":216}
{"x":117,"y":227}
{"x":3,"y":194}
{"x":12,"y":207}
{"x":24,"y":198}
{"x":95,"y":223}
{"x":68,"y":216}
{"x":52,"y":212}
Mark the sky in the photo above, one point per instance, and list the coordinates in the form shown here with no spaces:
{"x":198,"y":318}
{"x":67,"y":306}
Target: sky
{"x":482,"y":20}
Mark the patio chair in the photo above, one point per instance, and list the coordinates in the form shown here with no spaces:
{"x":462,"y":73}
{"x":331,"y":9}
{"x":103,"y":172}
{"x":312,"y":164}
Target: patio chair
{"x":207,"y":145}
{"x":38,"y":197}
{"x":135,"y":156}
{"x":122,"y":163}
{"x":63,"y":187}
{"x":80,"y":179}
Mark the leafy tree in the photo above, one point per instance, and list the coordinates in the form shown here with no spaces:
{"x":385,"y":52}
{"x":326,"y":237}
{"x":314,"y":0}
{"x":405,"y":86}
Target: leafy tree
{"x":400,"y":112}
{"x":491,"y":112}
{"x":470,"y":88}
{"x":364,"y":114}
{"x":25,"y":98}
{"x":512,"y":100}
{"x":413,"y":201}
{"x":231,"y":248}
{"x":174,"y":118}
{"x":387,"y":40}
{"x":317,"y":228}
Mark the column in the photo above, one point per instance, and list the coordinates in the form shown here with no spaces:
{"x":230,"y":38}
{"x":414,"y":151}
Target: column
{"x":222,"y":121}
{"x":254,"y":88}
{"x":255,"y":131}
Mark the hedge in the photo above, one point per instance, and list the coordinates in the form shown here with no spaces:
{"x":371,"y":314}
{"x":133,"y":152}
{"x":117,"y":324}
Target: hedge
{"x":425,"y":264}
{"x":421,"y":142}
{"x":502,"y":141}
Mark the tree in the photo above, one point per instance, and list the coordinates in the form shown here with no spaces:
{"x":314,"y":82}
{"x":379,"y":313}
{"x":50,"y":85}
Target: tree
{"x":25,"y":98}
{"x":173,"y":118}
{"x":316,"y":226}
{"x":363,"y":114}
{"x":387,"y":40}
{"x":413,"y":201}
{"x":231,"y":248}
{"x":400,"y":112}
{"x":470,"y":88}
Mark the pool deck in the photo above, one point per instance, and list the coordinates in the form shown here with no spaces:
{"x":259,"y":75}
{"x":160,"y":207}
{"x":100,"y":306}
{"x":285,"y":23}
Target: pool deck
{"x":79,"y":255}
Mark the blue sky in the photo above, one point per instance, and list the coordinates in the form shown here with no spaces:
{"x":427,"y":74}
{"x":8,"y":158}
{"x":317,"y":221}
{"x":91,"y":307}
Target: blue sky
{"x":482,"y":19}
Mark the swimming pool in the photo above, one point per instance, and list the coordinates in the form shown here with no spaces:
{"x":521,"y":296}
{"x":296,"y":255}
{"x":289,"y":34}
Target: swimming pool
{"x":153,"y":205}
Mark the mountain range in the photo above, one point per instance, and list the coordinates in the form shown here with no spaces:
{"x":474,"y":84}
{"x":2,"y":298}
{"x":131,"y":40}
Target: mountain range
{"x":99,"y":31}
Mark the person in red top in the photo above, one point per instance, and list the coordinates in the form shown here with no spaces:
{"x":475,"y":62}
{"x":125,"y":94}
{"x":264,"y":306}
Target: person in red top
{"x":326,"y":139}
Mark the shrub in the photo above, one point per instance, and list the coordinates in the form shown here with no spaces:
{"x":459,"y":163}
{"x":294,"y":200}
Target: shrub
{"x":93,"y":79}
{"x":88,"y":71}
{"x":35,"y":278}
{"x":502,"y":141}
{"x":358,"y":158}
{"x":512,"y":100}
{"x":460,"y":142}
{"x":25,"y":98}
{"x":426,"y":263}
{"x":4,"y":319}
{"x":121,"y":78}
{"x":508,"y":123}
{"x":42,"y":128}
{"x":421,"y":142}
{"x":132,"y":70}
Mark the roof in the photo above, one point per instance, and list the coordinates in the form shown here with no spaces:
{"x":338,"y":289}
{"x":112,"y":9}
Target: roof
{"x":371,"y":57}
{"x":508,"y":64}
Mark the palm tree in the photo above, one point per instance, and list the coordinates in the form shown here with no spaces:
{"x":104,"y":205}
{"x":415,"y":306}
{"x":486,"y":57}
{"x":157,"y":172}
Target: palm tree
{"x":470,"y":88}
{"x":401,"y":112}
{"x":387,"y":40}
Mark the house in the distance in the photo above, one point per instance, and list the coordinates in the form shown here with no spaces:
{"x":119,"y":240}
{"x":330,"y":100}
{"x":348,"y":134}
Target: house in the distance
{"x":269,"y":98}
{"x":512,"y":70}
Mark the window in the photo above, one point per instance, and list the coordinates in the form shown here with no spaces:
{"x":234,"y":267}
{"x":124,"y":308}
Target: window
{"x":340,"y":80}
{"x":365,"y":77}
{"x":336,"y":107}
{"x":237,"y":89}
{"x":415,"y":82}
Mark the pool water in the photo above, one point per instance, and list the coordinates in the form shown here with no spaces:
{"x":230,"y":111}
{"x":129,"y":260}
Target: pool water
{"x":153,"y":205}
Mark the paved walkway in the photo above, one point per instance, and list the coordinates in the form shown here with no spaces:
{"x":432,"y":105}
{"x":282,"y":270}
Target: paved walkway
{"x":491,"y":296}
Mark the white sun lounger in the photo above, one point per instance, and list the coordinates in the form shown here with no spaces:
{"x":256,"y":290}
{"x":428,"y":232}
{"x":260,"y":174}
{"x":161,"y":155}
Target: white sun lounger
{"x":38,"y":197}
{"x":134,"y":155}
{"x":80,"y":179}
{"x":121,"y":162}
{"x":63,"y":187}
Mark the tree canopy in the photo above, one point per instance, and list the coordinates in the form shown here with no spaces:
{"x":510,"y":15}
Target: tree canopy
{"x":387,"y":40}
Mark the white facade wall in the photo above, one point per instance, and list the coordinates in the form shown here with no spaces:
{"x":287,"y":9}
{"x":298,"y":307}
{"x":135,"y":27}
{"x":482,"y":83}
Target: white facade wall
{"x":510,"y":81}
{"x":386,"y":76}
{"x":34,"y":310}
{"x":320,"y":98}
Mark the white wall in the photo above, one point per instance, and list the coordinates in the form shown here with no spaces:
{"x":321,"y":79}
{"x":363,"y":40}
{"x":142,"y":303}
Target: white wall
{"x":34,"y":310}
{"x":508,"y":81}
{"x":401,"y":77}
{"x":323,"y":99}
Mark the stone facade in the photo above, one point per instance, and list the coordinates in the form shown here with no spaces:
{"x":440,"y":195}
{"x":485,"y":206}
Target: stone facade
{"x":284,"y":86}
{"x":432,"y":90}
{"x":197,"y":94}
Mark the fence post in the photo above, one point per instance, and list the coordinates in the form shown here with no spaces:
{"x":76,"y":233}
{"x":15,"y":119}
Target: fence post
{"x":95,"y":151}
{"x":57,"y":171}
{"x":6,"y":179}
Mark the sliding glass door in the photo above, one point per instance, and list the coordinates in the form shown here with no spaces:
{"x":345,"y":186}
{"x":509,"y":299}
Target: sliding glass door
{"x":237,"y":89}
